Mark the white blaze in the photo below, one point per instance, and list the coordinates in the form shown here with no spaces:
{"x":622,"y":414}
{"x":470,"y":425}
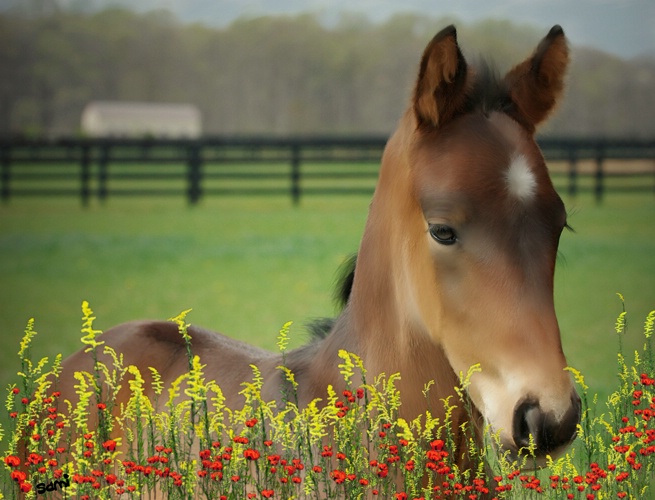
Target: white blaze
{"x":521,"y":181}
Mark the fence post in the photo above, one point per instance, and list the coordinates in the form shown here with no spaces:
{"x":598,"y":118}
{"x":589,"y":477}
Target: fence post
{"x":194,"y":173}
{"x":85,"y":175}
{"x":103,"y":165}
{"x":573,"y":173}
{"x":295,"y":174}
{"x":600,"y":175}
{"x":5,"y":173}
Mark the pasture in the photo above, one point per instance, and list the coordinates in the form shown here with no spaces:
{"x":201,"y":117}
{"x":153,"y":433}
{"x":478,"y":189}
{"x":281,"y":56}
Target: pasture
{"x":248,"y":265}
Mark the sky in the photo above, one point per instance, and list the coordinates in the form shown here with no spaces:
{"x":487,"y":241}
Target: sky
{"x":622,"y":27}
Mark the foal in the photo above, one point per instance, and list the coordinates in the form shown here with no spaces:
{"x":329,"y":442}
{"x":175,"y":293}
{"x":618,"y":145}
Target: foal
{"x":455,"y":266}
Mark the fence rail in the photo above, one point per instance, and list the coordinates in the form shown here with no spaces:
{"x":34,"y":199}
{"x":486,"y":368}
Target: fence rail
{"x":294,"y":167}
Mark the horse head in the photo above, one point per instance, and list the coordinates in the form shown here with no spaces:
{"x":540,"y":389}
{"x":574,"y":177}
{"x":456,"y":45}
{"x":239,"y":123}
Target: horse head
{"x":465,"y":226}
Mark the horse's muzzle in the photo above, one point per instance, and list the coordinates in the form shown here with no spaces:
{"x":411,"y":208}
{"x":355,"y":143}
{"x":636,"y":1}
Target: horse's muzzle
{"x":541,"y":433}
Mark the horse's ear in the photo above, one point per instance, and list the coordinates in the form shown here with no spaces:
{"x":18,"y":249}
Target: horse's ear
{"x":536,"y":84}
{"x":441,"y":86}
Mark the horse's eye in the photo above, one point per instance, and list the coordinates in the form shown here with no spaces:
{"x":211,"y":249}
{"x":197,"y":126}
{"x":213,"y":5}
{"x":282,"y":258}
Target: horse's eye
{"x":443,"y":234}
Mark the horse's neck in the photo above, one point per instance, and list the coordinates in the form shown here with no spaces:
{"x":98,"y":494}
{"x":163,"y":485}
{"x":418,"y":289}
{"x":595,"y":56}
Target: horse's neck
{"x":383,"y":322}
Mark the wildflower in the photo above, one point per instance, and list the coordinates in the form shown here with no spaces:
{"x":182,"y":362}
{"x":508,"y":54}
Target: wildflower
{"x":268,"y":493}
{"x":338,"y":476}
{"x":101,"y":406}
{"x":251,"y":454}
{"x":25,"y":487}
{"x":109,"y":445}
{"x":12,"y":461}
{"x":251,"y":423}
{"x":18,"y":475}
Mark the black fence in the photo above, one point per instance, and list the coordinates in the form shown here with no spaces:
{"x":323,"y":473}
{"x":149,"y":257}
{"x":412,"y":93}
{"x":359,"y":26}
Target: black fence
{"x":294,"y":167}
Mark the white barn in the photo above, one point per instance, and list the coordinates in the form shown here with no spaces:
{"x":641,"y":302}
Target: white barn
{"x":141,"y":119}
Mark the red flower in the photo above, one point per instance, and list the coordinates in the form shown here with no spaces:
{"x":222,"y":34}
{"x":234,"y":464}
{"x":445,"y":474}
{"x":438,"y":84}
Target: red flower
{"x":102,"y":406}
{"x":268,"y":493}
{"x":251,"y":423}
{"x":251,"y":454}
{"x":25,"y":487}
{"x":338,"y":476}
{"x":18,"y":475}
{"x":109,"y":445}
{"x":15,"y":390}
{"x":12,"y":461}
{"x":437,"y":444}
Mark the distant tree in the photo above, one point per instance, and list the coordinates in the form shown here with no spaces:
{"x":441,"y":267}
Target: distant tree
{"x":275,"y":75}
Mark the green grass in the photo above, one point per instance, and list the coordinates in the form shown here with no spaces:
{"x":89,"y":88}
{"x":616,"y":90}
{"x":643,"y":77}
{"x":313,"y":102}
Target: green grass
{"x":246,"y":266}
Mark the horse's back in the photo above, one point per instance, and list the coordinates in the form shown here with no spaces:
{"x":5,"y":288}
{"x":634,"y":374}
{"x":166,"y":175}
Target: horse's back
{"x":160,"y":345}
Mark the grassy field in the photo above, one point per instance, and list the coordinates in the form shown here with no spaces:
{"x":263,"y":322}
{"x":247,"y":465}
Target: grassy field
{"x":246,"y":266}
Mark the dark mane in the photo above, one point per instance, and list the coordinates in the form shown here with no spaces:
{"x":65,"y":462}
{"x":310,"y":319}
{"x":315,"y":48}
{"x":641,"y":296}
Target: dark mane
{"x":318,"y":328}
{"x":490,"y":91}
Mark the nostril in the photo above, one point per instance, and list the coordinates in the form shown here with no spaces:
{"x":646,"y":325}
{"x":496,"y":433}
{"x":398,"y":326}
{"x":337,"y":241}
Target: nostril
{"x":527,"y":421}
{"x":548,"y":433}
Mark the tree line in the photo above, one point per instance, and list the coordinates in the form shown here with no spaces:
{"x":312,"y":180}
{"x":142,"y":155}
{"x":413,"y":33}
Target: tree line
{"x":278,"y":75}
